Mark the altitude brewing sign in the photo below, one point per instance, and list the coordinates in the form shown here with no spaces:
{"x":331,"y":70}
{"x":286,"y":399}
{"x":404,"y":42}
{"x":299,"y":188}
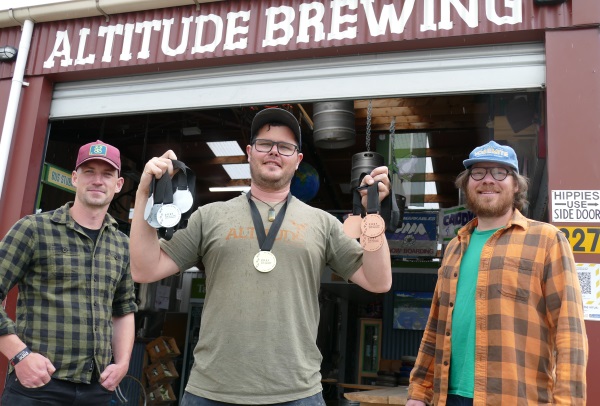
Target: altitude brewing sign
{"x":576,"y":206}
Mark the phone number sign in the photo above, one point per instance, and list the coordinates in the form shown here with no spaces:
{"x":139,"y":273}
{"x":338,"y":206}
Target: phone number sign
{"x":583,"y":240}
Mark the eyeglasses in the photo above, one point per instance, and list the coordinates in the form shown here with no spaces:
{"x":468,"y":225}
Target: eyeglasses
{"x":497,"y":173}
{"x":284,"y":148}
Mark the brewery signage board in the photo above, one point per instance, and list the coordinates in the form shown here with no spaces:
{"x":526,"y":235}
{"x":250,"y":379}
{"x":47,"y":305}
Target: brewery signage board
{"x":576,"y":206}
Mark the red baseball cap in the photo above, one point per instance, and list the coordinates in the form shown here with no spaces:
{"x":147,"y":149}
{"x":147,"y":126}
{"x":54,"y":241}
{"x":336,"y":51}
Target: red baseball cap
{"x":99,"y":150}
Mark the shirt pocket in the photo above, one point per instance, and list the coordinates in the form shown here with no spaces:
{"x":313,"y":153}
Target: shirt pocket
{"x":63,"y":261}
{"x":512,"y":278}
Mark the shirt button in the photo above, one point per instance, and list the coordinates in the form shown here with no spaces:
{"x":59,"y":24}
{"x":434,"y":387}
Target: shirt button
{"x":448,"y":333}
{"x":455,"y":274}
{"x":445,"y":363}
{"x":451,"y":304}
{"x":65,"y":249}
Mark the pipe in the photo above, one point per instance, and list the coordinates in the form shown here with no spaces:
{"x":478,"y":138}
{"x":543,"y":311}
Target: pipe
{"x":14,"y":98}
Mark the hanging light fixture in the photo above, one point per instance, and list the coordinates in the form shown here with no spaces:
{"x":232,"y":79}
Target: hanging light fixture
{"x":364,"y":162}
{"x":334,"y":124}
{"x":8,"y":53}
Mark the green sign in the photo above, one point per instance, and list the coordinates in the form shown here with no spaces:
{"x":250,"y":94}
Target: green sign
{"x":198,"y":290}
{"x":58,"y":177}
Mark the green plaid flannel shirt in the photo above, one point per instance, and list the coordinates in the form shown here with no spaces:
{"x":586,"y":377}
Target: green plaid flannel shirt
{"x":69,"y":290}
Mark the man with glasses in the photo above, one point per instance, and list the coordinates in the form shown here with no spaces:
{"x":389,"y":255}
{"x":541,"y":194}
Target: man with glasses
{"x":506,"y":324}
{"x":263,"y":254}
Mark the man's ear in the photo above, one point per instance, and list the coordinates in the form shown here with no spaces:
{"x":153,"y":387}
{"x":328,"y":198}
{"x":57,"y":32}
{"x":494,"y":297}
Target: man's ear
{"x":119,"y":186}
{"x":74,"y":178}
{"x":300,"y":157}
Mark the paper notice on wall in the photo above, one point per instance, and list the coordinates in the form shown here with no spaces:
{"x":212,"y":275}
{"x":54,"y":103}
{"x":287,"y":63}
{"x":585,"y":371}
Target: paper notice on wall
{"x":162,"y":297}
{"x":589,"y":280}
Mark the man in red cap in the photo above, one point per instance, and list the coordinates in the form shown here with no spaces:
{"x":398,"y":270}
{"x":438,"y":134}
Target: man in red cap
{"x":76,"y":299}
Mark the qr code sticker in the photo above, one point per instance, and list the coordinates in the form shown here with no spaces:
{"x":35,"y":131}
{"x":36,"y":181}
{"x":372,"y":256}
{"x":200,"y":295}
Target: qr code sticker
{"x":585,"y":281}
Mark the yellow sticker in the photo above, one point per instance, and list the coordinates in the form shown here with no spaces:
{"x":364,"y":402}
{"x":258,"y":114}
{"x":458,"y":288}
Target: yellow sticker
{"x":583,"y":240}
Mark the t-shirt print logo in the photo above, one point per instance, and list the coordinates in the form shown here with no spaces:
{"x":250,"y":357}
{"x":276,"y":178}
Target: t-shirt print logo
{"x":98,"y":150}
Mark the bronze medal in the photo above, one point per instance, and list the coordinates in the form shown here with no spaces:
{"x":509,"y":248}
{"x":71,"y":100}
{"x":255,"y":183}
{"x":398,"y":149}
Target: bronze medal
{"x":352,"y":226}
{"x":371,"y":243}
{"x":264,"y":261}
{"x":372,"y":225}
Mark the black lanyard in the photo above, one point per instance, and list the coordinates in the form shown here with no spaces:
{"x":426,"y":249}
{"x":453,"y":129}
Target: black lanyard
{"x":265,"y":242}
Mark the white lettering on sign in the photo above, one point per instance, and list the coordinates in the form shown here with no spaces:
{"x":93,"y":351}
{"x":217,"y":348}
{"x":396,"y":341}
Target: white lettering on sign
{"x":311,"y":18}
{"x":577,"y":206}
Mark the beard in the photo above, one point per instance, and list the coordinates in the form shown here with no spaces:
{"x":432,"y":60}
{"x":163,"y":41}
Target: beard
{"x":269,"y":181}
{"x":488,"y":208}
{"x":90,"y":201}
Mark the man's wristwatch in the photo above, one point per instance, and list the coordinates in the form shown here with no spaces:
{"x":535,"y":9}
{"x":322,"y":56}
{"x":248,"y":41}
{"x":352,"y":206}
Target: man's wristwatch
{"x":20,"y":356}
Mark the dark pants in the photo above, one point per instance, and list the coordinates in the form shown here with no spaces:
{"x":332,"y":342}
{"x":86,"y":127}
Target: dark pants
{"x":455,"y":400}
{"x":193,"y":400}
{"x":55,"y":393}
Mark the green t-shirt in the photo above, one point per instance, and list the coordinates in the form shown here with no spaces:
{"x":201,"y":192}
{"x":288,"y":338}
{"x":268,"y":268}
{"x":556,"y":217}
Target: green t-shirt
{"x":462,"y":359}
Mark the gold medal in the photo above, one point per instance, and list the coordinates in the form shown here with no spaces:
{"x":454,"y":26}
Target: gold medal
{"x":352,"y":226}
{"x":265,"y":261}
{"x":372,"y":225}
{"x":371,"y":243}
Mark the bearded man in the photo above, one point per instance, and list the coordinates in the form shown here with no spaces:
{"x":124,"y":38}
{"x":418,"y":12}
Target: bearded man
{"x":506,"y":324}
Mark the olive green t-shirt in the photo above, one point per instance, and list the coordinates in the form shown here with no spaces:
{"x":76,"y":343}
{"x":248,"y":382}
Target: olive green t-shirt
{"x":257,"y":342}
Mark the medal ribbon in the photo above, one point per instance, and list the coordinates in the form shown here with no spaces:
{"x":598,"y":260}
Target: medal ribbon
{"x":357,"y":208}
{"x":162,"y":189}
{"x":373,"y":205}
{"x":373,"y":198}
{"x":265,"y":242}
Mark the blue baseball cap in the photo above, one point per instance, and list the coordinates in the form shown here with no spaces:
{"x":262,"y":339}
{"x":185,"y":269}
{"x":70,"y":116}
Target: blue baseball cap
{"x":493,"y":152}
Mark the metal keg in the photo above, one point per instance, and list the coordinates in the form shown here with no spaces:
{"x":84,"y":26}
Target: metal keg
{"x":334,"y":124}
{"x":363,"y":163}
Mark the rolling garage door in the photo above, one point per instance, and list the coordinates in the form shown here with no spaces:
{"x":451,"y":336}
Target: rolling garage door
{"x":429,"y":72}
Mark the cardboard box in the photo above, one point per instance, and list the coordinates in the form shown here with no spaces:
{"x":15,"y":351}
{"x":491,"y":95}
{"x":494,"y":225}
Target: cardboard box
{"x":161,"y":372}
{"x":162,"y":348}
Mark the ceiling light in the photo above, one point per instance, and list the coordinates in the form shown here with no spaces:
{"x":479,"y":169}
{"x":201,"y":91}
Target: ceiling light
{"x":225,"y":148}
{"x":229,"y":189}
{"x":238,"y":171}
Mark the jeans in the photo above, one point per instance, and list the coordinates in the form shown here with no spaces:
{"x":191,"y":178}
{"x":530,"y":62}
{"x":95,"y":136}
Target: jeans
{"x":455,"y":400}
{"x":193,"y":400}
{"x":55,"y":393}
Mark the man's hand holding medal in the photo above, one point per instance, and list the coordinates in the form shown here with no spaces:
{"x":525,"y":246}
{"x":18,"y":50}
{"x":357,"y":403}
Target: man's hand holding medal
{"x":368,"y":225}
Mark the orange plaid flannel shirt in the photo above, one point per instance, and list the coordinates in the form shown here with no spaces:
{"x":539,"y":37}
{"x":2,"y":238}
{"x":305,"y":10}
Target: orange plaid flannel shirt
{"x":531,"y":346}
